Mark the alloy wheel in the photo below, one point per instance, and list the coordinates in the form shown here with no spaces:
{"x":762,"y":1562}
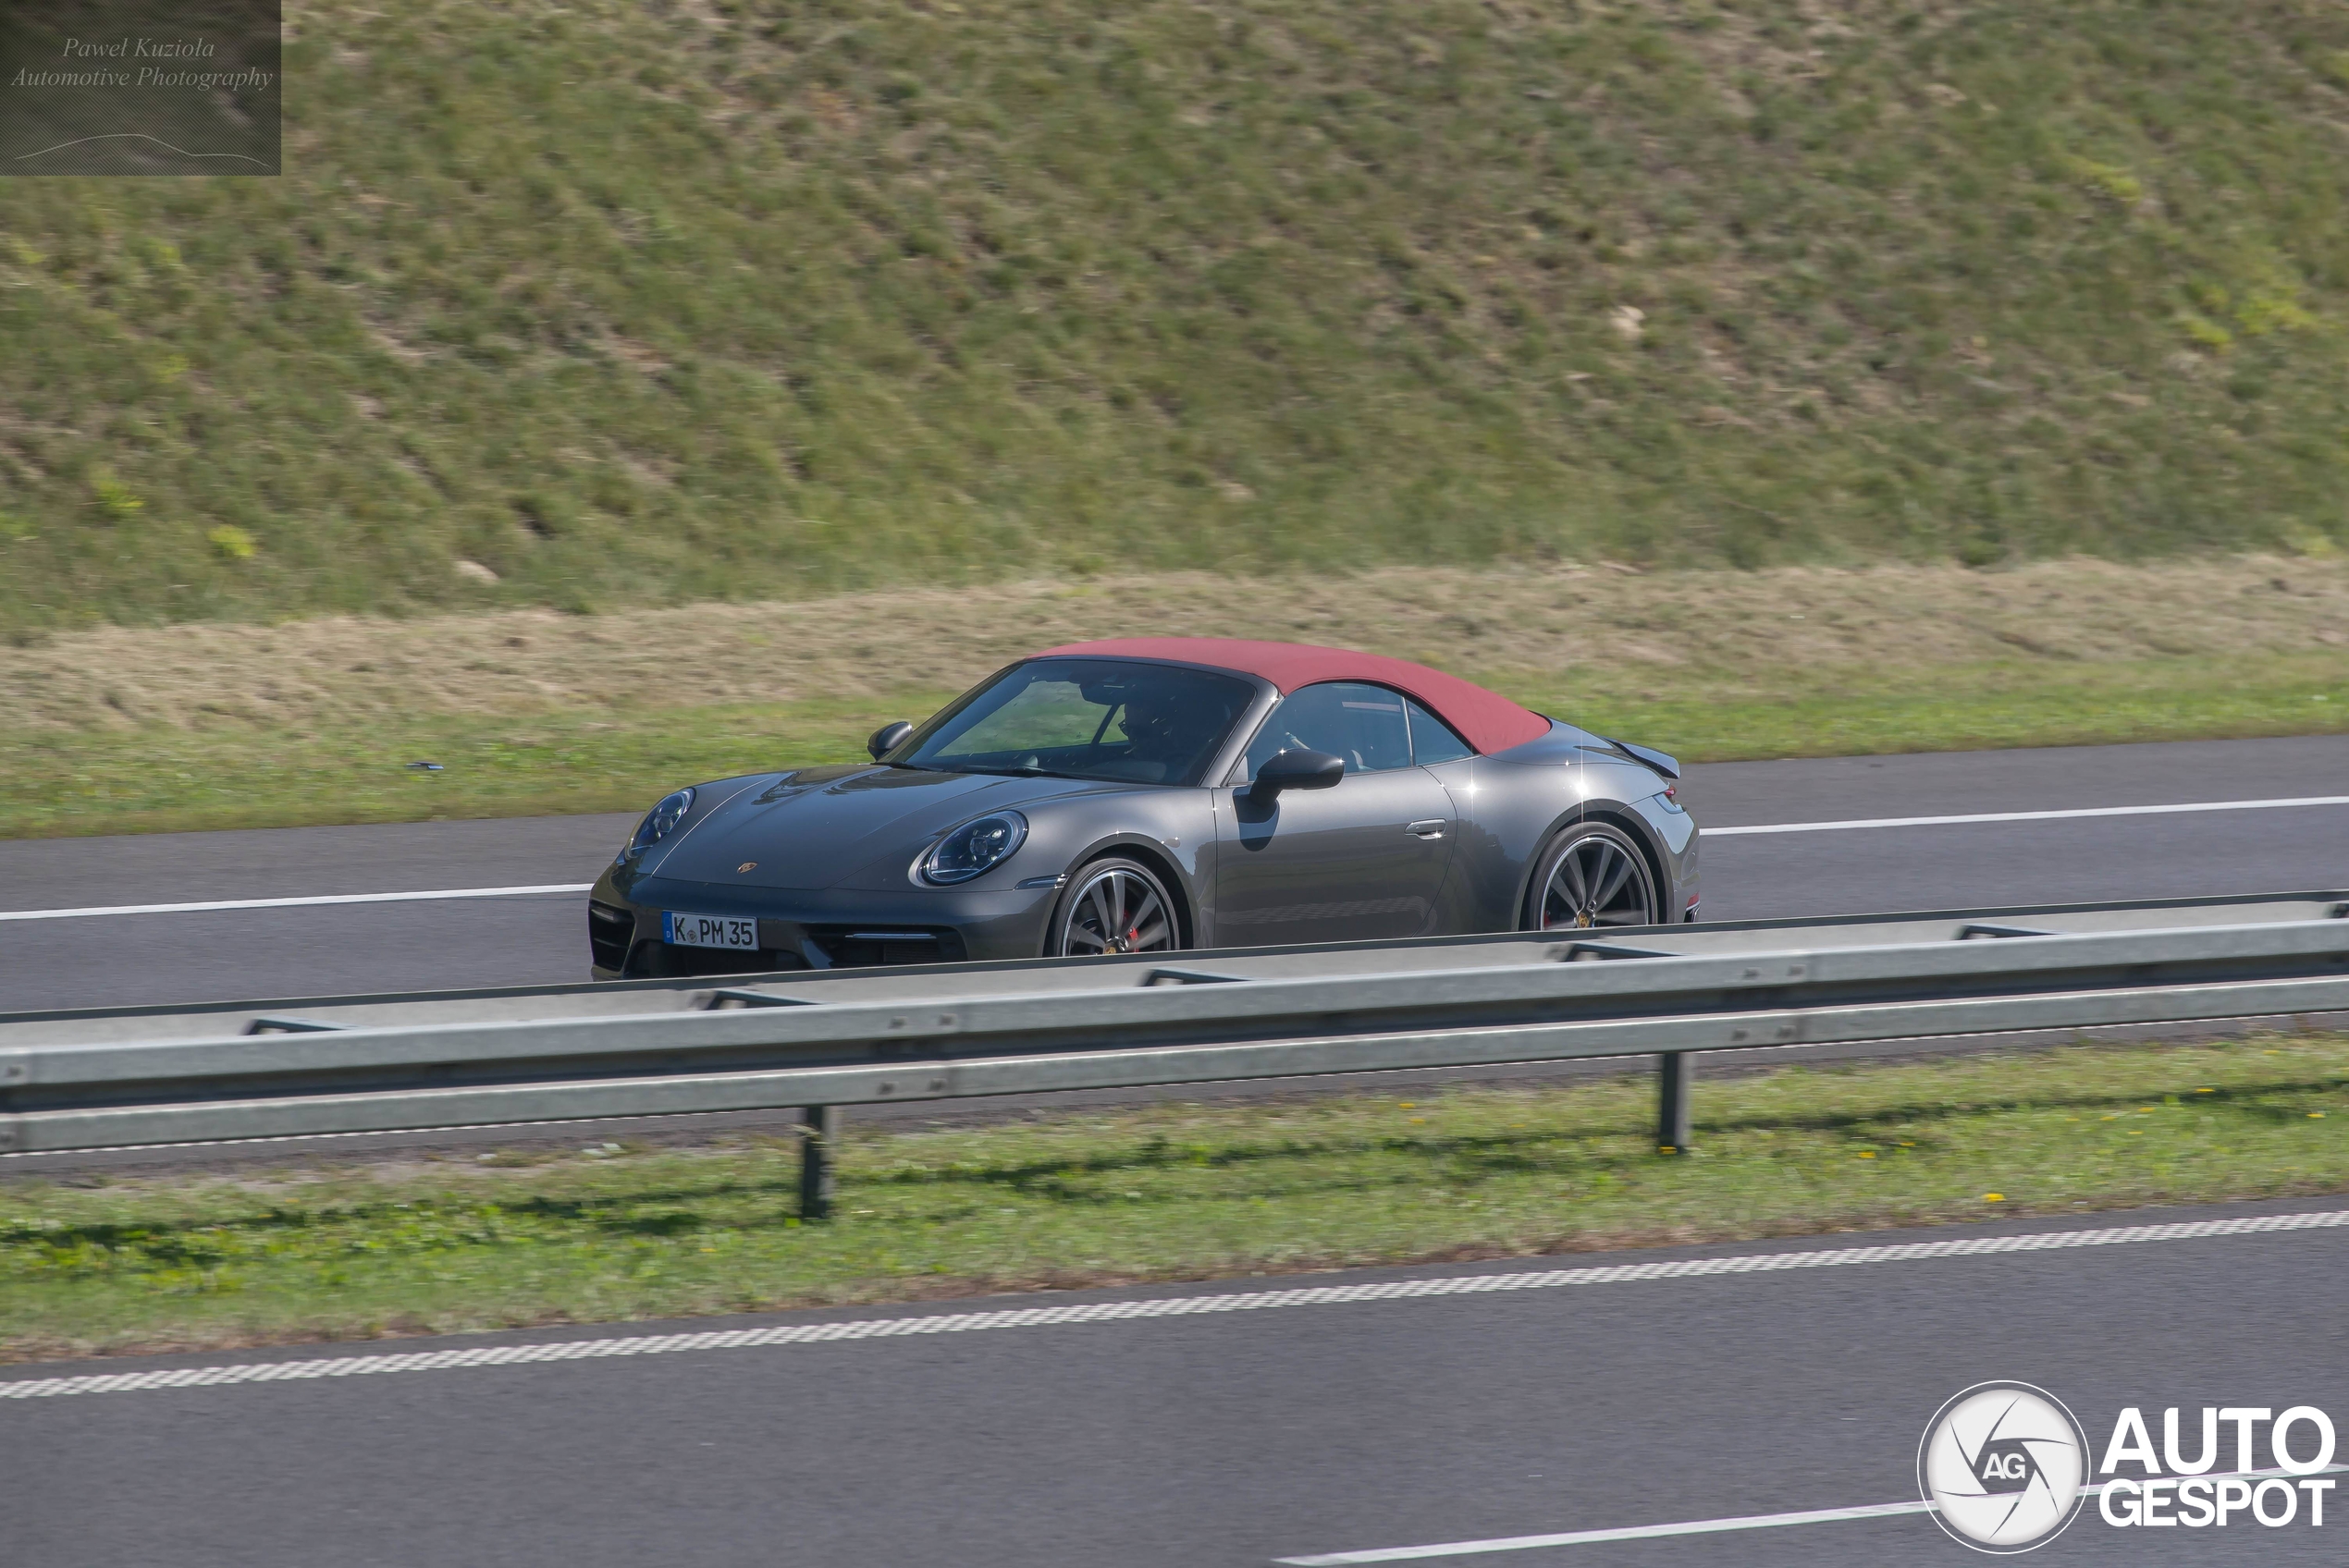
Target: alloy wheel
{"x":1117,"y":907}
{"x":1594,"y":879}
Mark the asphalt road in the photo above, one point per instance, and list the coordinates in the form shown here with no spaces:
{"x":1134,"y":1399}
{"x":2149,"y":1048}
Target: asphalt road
{"x":1222,"y":1436}
{"x":334,"y":949}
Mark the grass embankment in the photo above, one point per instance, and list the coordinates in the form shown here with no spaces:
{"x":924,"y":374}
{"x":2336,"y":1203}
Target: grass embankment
{"x":1168,"y":1191}
{"x":224,"y":726}
{"x":640,"y":302}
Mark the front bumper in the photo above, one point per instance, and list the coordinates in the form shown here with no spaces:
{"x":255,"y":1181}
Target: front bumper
{"x":829,"y":928}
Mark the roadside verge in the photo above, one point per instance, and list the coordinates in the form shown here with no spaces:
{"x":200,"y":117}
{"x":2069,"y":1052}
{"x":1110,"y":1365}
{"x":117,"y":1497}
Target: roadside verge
{"x":397,"y":1247}
{"x":530,"y":712}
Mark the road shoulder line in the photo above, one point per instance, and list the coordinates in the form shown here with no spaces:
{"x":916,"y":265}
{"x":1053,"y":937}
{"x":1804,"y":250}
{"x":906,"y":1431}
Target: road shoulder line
{"x":1171,"y":1306}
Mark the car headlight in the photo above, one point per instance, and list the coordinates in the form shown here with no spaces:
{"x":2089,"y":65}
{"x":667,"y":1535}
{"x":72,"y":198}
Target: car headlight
{"x":974,"y":848}
{"x":660,"y":822}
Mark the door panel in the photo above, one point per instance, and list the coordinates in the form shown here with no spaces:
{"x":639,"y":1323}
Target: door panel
{"x":1360,"y":861}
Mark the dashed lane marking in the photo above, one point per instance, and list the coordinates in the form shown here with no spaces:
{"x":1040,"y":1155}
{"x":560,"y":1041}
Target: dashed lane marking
{"x":1682,"y":1528}
{"x":1859,"y":823}
{"x":433,"y":896}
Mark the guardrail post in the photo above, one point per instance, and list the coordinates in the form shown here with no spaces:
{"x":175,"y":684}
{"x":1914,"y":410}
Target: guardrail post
{"x":1675,"y":1080}
{"x":817,"y":1143}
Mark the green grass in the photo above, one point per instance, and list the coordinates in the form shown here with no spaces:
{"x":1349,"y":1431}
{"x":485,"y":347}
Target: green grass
{"x":1168,"y":1191}
{"x":1730,"y":716}
{"x":165,"y":779}
{"x":638,"y":301}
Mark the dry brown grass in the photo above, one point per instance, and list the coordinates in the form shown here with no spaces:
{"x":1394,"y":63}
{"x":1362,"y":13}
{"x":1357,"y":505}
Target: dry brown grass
{"x":1749,"y":628}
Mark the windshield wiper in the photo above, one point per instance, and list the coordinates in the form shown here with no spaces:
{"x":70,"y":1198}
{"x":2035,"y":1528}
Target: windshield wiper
{"x":1016,"y":772}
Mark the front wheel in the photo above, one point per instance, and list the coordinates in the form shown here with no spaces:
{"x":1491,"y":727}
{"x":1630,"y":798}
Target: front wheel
{"x":1590,"y":875}
{"x":1114,"y":906}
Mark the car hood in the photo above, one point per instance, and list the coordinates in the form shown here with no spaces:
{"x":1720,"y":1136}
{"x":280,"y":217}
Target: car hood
{"x":818,"y":826}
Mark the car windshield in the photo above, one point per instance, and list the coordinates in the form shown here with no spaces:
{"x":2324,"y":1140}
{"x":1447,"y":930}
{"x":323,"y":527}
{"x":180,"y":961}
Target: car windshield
{"x":1086,"y":718}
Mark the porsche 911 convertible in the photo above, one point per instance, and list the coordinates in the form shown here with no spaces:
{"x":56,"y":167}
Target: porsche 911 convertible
{"x":1145,"y":795}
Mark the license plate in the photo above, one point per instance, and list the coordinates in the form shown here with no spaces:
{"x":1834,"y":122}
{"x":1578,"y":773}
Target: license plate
{"x":710,"y":931}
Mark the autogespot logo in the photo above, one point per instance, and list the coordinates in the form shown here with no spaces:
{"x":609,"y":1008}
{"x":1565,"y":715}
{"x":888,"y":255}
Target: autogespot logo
{"x":2004,"y":1465}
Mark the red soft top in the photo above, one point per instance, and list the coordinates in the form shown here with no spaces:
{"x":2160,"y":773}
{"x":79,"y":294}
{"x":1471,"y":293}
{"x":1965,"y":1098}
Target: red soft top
{"x":1485,"y":719}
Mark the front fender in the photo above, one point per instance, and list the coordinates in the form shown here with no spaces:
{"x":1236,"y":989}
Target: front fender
{"x":1189,"y":867}
{"x":1172,"y":829}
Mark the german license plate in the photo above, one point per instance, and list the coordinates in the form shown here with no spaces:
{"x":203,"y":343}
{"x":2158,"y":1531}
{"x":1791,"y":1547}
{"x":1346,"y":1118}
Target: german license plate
{"x":710,"y":931}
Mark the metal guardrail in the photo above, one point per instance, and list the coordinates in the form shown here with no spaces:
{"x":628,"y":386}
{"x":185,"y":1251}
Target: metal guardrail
{"x":118,"y":1077}
{"x":932,"y":981}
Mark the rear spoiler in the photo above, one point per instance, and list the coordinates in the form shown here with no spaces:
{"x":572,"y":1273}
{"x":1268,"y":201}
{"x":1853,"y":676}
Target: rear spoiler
{"x":1662,"y":762}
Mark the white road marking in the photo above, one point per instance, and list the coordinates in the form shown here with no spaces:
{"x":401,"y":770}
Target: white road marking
{"x":434,"y":895}
{"x":430,"y":897}
{"x":1585,"y":1537}
{"x":2023,"y":816}
{"x":1174,"y":1306}
{"x":1685,"y":1527}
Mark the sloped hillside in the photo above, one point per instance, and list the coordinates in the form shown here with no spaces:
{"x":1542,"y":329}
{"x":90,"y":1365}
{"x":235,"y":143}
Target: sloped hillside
{"x":647,"y":301}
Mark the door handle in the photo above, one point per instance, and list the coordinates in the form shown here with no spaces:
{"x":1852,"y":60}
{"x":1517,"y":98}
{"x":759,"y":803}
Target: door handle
{"x":1432,"y":829}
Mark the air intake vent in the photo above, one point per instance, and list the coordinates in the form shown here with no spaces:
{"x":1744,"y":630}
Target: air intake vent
{"x":862,"y":947}
{"x":610,"y":934}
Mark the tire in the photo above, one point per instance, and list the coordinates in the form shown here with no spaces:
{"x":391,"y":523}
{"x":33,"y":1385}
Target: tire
{"x":1591,"y":876}
{"x":1114,"y":905}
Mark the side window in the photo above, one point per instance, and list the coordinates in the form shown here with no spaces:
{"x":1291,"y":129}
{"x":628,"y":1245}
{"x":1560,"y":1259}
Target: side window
{"x":1363,"y":725}
{"x":1431,"y":739}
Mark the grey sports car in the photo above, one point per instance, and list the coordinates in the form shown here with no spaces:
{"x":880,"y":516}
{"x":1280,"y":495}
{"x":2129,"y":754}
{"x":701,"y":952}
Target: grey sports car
{"x":1149,"y":794}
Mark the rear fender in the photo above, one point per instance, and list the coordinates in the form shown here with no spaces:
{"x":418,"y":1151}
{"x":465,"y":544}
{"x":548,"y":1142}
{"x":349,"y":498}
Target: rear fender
{"x":1625,"y":819}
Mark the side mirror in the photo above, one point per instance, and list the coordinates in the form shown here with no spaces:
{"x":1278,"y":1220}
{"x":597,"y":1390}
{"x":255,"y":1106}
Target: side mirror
{"x":1296,"y":770}
{"x":888,"y":738}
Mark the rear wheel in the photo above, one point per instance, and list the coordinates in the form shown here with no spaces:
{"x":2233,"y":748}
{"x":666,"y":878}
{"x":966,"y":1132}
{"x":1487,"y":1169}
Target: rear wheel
{"x":1592,"y":874}
{"x":1114,"y":906}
